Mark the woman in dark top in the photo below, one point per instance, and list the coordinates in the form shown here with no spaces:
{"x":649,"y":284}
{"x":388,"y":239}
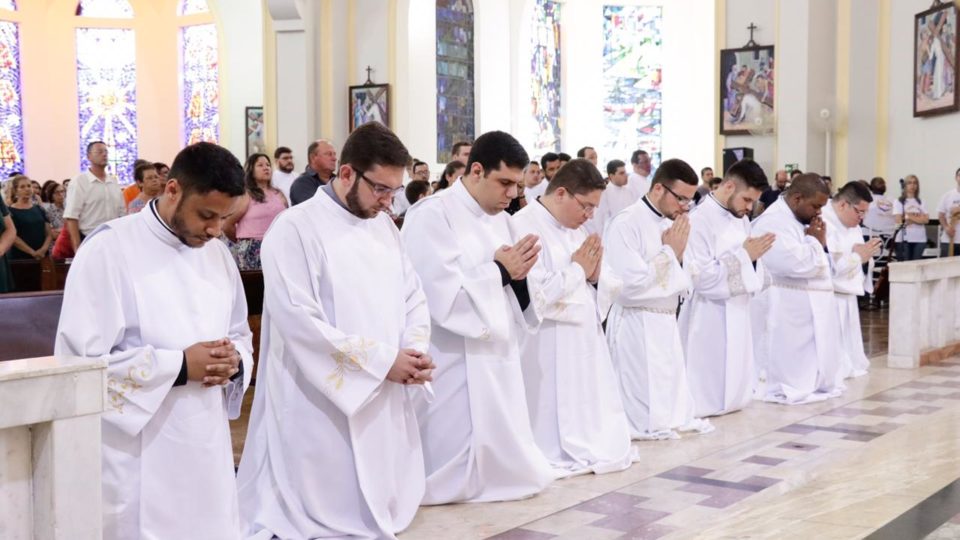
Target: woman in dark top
{"x":8,"y":233}
{"x":34,"y":235}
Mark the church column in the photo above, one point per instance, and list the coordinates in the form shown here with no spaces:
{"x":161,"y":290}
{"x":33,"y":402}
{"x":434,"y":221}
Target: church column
{"x":289,"y":62}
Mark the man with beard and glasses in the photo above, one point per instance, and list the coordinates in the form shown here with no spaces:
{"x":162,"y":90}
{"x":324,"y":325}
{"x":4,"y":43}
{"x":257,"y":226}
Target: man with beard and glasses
{"x":800,"y":340}
{"x":644,"y":246}
{"x":151,"y":294}
{"x":333,"y":449}
{"x":721,"y":259}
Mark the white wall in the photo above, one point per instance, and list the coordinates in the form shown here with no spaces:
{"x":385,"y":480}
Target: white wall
{"x":241,"y":22}
{"x":415,"y":97}
{"x":863,"y":75}
{"x":923,"y":146}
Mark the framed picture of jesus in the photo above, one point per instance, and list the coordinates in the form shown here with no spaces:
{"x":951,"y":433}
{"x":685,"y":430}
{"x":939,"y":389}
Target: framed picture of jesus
{"x":747,"y":79}
{"x":935,"y":60}
{"x":369,"y":103}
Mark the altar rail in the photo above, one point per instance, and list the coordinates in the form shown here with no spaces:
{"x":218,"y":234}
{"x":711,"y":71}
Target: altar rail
{"x":924,"y":300}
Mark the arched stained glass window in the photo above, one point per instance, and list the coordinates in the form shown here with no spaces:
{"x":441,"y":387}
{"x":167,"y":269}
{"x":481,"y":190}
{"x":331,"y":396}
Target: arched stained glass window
{"x":632,"y":64}
{"x":455,"y":100}
{"x":545,"y":77}
{"x":11,"y":112}
{"x":200,"y":83}
{"x":105,"y":9}
{"x":106,"y":88}
{"x":192,"y":7}
{"x":8,"y":4}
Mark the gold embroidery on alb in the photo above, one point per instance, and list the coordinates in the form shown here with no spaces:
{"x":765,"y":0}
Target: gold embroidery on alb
{"x":349,"y":357}
{"x":661,"y":264}
{"x":118,"y":388}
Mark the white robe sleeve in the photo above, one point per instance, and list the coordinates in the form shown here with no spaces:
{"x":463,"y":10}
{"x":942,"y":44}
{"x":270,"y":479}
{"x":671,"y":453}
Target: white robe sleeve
{"x":347,"y":369}
{"x":94,"y":320}
{"x":558,"y":289}
{"x":416,"y":332}
{"x":639,"y":279}
{"x":242,"y":339}
{"x":460,"y":300}
{"x":718,"y":277}
{"x":804,"y":259}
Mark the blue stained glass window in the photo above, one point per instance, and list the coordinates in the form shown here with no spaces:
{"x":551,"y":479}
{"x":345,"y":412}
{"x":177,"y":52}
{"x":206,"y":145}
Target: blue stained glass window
{"x":200,"y":83}
{"x":631,"y":78}
{"x":107,"y":91}
{"x":192,"y":7}
{"x":545,"y":80}
{"x":105,"y":9}
{"x":455,"y":99}
{"x":11,"y":112}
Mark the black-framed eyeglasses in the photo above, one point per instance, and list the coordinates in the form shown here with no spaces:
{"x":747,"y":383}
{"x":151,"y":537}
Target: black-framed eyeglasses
{"x":588,"y":209}
{"x":379,"y":190}
{"x":684,"y":201}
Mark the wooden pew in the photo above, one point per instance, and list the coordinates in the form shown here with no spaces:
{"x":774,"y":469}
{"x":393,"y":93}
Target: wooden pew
{"x":30,"y":275}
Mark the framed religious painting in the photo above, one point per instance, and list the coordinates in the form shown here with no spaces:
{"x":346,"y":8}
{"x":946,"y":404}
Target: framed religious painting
{"x":935,"y":60}
{"x":369,"y":103}
{"x":253,"y":118}
{"x":747,"y":79}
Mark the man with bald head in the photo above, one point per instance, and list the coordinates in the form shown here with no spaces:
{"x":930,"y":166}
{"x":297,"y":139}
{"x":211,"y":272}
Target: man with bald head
{"x":321,"y":169}
{"x":800,"y":341}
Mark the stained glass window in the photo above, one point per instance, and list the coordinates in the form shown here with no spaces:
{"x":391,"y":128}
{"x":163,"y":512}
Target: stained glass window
{"x":106,"y":9}
{"x":455,"y":103}
{"x":107,"y":90}
{"x":8,"y":4}
{"x":200,"y":83}
{"x":192,"y":7}
{"x":545,"y":80}
{"x":11,"y":114}
{"x":631,"y":80}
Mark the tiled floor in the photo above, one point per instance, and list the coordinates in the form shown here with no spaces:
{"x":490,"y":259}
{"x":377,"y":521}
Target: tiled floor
{"x":835,"y":469}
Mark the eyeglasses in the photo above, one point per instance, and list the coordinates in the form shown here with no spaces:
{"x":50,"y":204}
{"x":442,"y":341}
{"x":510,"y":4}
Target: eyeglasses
{"x":379,"y":190}
{"x":859,"y":212}
{"x":684,"y":201}
{"x":588,"y":209}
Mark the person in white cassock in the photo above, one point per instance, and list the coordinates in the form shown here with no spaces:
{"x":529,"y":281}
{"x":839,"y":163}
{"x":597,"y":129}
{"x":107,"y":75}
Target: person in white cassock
{"x":333,"y":449}
{"x":615,"y":198}
{"x":849,"y":253}
{"x":801,"y":344}
{"x":477,"y":441}
{"x":715,"y":324}
{"x":165,"y":307}
{"x":575,"y":407}
{"x":644,"y":246}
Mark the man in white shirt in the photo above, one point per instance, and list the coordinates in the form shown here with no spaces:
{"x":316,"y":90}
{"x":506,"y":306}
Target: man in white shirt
{"x":615,"y":198}
{"x":849,"y":252}
{"x":283,"y":175}
{"x":639,"y":179}
{"x":949,"y":213}
{"x":549,"y":165}
{"x":94,"y":197}
{"x":164,"y":306}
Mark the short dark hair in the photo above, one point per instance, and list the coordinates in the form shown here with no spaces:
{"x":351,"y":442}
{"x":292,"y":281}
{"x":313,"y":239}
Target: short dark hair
{"x":579,"y":177}
{"x":373,"y":144}
{"x":808,"y":185}
{"x":675,"y":169}
{"x":547,"y":158}
{"x":613,"y":165}
{"x":749,"y":173}
{"x":854,"y":192}
{"x":417,"y":163}
{"x":91,"y":143}
{"x":281,"y":150}
{"x":494,"y":147}
{"x":795,"y":173}
{"x":705,"y":169}
{"x":140,"y":162}
{"x":878,"y":185}
{"x":160,"y":165}
{"x":46,"y":192}
{"x":416,"y":189}
{"x":582,"y":153}
{"x":458,"y":145}
{"x":564,"y":157}
{"x":453,"y":167}
{"x":142,"y":169}
{"x":534,"y":162}
{"x":204,"y":167}
{"x":635,"y":156}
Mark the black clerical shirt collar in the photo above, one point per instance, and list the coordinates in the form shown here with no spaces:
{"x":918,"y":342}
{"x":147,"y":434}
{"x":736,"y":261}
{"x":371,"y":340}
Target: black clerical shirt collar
{"x":652,"y":207}
{"x":156,"y":214}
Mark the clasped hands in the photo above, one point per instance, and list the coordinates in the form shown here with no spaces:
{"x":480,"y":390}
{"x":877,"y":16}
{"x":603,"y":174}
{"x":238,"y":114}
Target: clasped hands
{"x":411,"y":367}
{"x":212,"y":362}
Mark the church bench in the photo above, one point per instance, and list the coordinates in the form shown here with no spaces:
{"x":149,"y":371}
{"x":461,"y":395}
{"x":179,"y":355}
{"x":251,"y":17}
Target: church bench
{"x":31,"y":275}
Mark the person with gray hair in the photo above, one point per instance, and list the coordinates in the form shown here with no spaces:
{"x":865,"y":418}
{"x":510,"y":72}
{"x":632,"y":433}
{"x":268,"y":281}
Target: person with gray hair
{"x":320,"y":171}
